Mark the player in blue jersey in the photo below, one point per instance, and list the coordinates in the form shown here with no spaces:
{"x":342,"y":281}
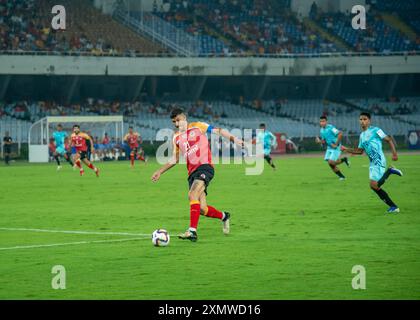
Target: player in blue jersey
{"x":332,"y":137}
{"x":371,"y":143}
{"x":59,"y":139}
{"x":268,"y":140}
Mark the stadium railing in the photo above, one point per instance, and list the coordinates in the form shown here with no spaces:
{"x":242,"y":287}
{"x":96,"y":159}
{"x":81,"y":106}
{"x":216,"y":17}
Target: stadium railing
{"x":230,"y":55}
{"x":160,"y":30}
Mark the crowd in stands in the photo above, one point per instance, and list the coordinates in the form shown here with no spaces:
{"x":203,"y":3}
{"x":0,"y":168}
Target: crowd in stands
{"x":23,"y":28}
{"x":18,"y":110}
{"x":222,"y":27}
{"x":395,"y":5}
{"x":34,"y":110}
{"x":407,"y":10}
{"x":25,"y":25}
{"x":377,"y":37}
{"x":248,"y":26}
{"x":108,"y":149}
{"x":262,"y":27}
{"x":402,"y":108}
{"x":296,"y":117}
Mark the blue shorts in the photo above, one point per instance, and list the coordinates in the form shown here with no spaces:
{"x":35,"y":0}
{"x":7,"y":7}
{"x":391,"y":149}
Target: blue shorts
{"x":332,"y":154}
{"x":376,"y":172}
{"x":60,"y":150}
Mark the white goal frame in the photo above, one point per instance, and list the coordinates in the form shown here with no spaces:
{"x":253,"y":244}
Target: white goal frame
{"x":39,"y":132}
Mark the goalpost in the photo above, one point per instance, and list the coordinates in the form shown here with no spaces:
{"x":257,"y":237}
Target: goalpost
{"x":41,"y":131}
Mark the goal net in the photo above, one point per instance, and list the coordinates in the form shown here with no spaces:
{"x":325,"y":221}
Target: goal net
{"x":41,"y":131}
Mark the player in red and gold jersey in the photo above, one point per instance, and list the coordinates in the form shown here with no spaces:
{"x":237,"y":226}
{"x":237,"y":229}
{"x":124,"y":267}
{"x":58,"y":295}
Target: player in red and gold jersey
{"x":78,"y":140}
{"x":191,"y":141}
{"x":132,"y":138}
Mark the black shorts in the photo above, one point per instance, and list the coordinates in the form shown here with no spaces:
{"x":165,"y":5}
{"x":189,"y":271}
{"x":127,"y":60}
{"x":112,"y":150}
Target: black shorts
{"x":83,"y":155}
{"x":205,"y":173}
{"x":7,"y":149}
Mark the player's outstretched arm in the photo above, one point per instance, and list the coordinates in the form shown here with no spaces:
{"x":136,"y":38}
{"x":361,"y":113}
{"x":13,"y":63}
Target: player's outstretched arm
{"x":319,"y":141}
{"x":273,"y":140}
{"x":352,"y":150}
{"x":227,"y":135}
{"x":392,"y":146}
{"x":339,"y":138}
{"x":171,"y":163}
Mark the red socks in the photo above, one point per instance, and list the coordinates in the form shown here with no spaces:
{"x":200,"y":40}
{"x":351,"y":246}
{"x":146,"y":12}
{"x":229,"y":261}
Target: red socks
{"x":194,"y":213}
{"x":212,"y":212}
{"x":91,"y":166}
{"x":132,"y":159}
{"x":78,"y":164}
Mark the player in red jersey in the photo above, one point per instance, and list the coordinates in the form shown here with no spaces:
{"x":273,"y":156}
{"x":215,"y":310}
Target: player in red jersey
{"x":132,"y":138}
{"x":192,"y":142}
{"x":67,"y":155}
{"x":51,"y":147}
{"x":78,"y":140}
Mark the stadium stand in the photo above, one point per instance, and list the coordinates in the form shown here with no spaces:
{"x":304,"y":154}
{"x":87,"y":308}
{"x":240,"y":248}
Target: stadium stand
{"x":296,"y":118}
{"x":378,"y":36}
{"x":88,"y":31}
{"x":246,"y":27}
{"x":397,"y":6}
{"x":408,"y":11}
{"x":255,"y":27}
{"x":206,"y":28}
{"x":200,"y":27}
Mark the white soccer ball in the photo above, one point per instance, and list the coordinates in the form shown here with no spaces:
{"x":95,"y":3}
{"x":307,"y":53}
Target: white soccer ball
{"x":160,"y":238}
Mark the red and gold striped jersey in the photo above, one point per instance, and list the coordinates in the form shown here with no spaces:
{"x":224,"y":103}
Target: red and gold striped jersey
{"x":79,"y":141}
{"x":194,"y":146}
{"x":132,"y":139}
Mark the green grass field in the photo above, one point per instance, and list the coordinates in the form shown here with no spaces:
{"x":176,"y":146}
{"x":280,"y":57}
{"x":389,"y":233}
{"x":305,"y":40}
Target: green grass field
{"x":295,"y":233}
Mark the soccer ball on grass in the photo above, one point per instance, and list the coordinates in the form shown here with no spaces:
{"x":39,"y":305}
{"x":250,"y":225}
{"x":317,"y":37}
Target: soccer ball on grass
{"x":160,"y":238}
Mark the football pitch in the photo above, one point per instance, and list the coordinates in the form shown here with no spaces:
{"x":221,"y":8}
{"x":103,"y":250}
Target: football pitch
{"x":295,"y":233}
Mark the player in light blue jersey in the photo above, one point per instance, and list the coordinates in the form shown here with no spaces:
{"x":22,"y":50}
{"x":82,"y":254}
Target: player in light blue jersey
{"x":331,"y":137}
{"x":268,"y":140}
{"x":59,"y":139}
{"x":371,"y":143}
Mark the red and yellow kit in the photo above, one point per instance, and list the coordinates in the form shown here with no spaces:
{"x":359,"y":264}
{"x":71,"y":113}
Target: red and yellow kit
{"x":79,"y":141}
{"x":132,"y":140}
{"x":194,"y":145}
{"x":52,"y":147}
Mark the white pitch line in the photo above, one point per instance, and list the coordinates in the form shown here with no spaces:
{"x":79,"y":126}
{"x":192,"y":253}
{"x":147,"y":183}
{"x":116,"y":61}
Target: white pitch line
{"x":77,"y":232}
{"x":68,"y":244}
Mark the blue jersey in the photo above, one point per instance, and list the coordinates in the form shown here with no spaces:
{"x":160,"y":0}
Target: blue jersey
{"x":267,"y":139}
{"x":330,"y":134}
{"x":59,"y":137}
{"x":371,"y":142}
